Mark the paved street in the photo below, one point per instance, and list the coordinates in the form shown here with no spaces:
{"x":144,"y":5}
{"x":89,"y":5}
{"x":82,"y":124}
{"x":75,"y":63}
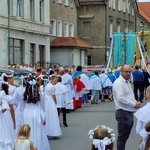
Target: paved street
{"x":75,"y":136}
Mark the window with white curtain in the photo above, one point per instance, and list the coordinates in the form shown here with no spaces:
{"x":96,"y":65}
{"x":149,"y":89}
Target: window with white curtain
{"x":59,"y":1}
{"x":118,"y":27}
{"x":133,"y":11}
{"x":124,"y":6}
{"x":129,"y":7}
{"x":119,"y":4}
{"x":109,"y":4}
{"x":66,"y":29}
{"x":72,"y":4}
{"x":20,"y":8}
{"x":66,"y":2}
{"x":111,"y":28}
{"x":53,"y":27}
{"x":71,"y":30}
{"x":59,"y":28}
{"x":114,"y":4}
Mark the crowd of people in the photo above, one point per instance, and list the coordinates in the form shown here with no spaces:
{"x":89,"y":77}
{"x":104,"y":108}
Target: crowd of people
{"x":37,"y":104}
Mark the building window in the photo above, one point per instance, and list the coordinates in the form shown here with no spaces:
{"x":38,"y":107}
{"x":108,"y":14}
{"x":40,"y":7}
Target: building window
{"x":71,"y":30}
{"x":41,"y":55}
{"x":111,"y":29}
{"x":53,"y":27}
{"x":132,"y":11}
{"x":32,"y":53}
{"x":20,"y":8}
{"x":66,"y":2}
{"x":89,"y":60}
{"x":59,"y":28}
{"x":66,"y":29}
{"x":41,"y":10}
{"x":59,"y":1}
{"x":109,"y":4}
{"x":124,"y":6}
{"x":119,"y":8}
{"x":131,"y":30}
{"x":72,"y":4}
{"x":11,"y":7}
{"x":114,"y":4}
{"x":32,"y":10}
{"x":118,"y":27}
{"x":16,"y":51}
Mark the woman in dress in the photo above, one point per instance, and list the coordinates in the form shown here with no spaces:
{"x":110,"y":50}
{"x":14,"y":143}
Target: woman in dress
{"x":33,"y":115}
{"x":52,"y":119}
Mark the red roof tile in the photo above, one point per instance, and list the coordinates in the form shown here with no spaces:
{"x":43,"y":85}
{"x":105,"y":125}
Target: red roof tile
{"x":144,"y":10}
{"x":69,"y":42}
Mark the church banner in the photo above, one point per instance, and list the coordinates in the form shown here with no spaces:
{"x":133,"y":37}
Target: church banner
{"x":124,"y":48}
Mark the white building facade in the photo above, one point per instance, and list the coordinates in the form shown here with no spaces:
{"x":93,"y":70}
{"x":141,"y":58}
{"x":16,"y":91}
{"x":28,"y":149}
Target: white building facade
{"x":29,"y":32}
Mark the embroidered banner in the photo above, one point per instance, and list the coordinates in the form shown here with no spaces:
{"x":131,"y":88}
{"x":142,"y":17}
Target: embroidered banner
{"x":124,"y":48}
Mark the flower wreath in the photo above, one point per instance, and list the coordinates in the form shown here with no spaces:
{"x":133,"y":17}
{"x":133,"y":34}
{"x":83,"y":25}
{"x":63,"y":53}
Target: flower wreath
{"x":101,"y":144}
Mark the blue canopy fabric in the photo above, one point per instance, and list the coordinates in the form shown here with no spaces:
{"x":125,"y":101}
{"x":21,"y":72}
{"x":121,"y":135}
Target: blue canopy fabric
{"x":124,"y":48}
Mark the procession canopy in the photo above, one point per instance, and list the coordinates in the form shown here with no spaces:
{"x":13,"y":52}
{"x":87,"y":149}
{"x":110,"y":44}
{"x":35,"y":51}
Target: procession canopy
{"x":129,"y":48}
{"x":145,"y":38}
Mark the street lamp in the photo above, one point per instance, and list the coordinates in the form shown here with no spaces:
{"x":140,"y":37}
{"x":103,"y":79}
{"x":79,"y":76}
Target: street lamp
{"x":8,"y":2}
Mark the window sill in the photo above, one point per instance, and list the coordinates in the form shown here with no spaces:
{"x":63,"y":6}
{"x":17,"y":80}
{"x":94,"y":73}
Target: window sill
{"x":59,"y":35}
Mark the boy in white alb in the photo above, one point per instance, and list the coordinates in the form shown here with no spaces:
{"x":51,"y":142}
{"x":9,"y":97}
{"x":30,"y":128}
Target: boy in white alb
{"x":62,"y":98}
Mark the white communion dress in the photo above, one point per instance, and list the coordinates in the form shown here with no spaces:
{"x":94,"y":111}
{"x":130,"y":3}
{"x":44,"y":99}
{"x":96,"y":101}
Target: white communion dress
{"x":143,"y":118}
{"x":19,"y":106}
{"x":7,"y":116}
{"x":33,"y":116}
{"x":52,"y":120}
{"x":22,"y":144}
{"x":6,"y":142}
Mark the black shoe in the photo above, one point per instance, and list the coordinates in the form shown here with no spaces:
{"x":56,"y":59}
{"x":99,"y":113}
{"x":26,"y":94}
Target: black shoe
{"x":141,"y":101}
{"x":65,"y":124}
{"x":67,"y":111}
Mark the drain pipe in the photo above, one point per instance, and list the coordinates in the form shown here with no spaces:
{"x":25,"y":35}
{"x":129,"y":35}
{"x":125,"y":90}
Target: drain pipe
{"x":106,"y":29}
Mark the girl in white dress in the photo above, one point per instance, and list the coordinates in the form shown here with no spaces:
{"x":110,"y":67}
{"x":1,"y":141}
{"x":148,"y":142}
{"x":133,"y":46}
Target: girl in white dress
{"x":6,"y":142}
{"x":9,"y":79}
{"x":9,"y":114}
{"x":23,"y":142}
{"x":52,"y":120}
{"x":143,"y":118}
{"x":19,"y":103}
{"x":34,"y":116}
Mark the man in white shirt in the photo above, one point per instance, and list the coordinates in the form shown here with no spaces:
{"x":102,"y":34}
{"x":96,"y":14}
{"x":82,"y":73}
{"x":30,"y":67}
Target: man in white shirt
{"x":125,"y":104}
